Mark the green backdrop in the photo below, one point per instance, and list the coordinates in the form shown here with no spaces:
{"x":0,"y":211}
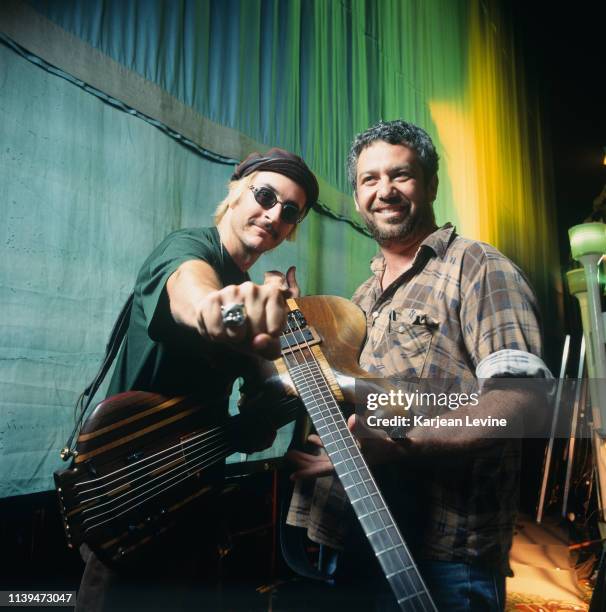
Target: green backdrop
{"x":89,"y":184}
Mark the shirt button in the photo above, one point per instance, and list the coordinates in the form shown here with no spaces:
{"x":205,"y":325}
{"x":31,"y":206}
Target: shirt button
{"x":401,"y":328}
{"x":375,"y":314}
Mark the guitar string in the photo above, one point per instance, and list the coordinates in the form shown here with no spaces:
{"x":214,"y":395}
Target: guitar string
{"x":187,"y":467}
{"x":141,"y":464}
{"x":193,"y":457}
{"x":407,"y":564}
{"x":179,"y":446}
{"x":341,"y":420}
{"x":145,"y":459}
{"x":203,"y":464}
{"x":85,"y":500}
{"x":155,"y":458}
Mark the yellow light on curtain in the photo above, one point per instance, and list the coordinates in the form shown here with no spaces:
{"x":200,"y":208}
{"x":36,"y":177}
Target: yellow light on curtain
{"x":459,"y":161}
{"x":493,"y":151}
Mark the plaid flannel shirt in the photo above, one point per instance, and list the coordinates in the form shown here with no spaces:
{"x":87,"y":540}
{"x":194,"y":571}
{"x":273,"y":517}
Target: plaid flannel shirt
{"x":461,"y":305}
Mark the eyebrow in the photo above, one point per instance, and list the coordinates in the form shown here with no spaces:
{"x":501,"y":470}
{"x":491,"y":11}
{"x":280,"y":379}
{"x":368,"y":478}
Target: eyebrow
{"x":391,"y":170}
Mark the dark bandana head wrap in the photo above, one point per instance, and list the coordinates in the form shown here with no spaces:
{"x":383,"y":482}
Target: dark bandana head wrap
{"x":281,"y":162}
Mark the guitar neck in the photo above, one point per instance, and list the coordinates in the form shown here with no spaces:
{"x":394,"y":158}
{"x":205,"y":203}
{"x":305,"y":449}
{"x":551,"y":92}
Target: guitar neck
{"x":355,"y":476}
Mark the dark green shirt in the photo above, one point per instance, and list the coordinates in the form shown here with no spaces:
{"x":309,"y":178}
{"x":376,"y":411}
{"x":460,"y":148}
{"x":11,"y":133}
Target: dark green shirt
{"x":161,"y":356}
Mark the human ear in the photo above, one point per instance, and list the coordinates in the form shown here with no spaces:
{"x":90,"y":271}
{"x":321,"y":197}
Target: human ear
{"x":432,"y":188}
{"x":356,"y":202}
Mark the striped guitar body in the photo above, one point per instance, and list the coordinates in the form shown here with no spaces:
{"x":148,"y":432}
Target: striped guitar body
{"x":143,"y":464}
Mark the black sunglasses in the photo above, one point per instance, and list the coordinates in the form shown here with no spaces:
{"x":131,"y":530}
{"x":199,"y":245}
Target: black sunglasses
{"x":267,"y":198}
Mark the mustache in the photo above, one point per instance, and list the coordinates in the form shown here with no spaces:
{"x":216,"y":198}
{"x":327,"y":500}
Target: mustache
{"x":393,"y":200}
{"x":268,"y":227}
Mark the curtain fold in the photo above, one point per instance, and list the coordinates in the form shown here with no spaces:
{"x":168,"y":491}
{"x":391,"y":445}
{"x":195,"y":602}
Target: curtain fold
{"x":240,"y":75}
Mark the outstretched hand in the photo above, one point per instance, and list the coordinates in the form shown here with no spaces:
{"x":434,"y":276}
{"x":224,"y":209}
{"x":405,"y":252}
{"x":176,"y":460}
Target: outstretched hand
{"x":196,"y":298}
{"x":265,"y":308}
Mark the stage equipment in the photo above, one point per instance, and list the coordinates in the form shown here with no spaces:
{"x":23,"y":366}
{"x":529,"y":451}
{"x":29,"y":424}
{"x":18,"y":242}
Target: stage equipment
{"x":588,"y":246}
{"x":556,"y":414}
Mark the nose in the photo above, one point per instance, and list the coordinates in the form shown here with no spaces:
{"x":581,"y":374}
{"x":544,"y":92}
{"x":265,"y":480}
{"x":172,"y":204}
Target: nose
{"x":273,"y":214}
{"x":385,"y":187}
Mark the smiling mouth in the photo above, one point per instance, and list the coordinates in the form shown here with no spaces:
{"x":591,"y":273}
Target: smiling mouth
{"x":395,"y":209}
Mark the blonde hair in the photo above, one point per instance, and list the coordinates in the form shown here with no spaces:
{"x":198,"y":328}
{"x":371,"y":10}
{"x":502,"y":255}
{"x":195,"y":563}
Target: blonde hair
{"x":236,"y":190}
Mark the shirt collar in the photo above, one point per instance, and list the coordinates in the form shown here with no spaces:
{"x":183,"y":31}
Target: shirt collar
{"x":438,"y":241}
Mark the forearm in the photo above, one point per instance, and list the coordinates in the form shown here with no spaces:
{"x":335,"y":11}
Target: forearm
{"x":197,"y":300}
{"x":500,"y":414}
{"x":187,"y":289}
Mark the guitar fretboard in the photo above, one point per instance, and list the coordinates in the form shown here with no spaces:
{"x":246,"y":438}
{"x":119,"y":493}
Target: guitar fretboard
{"x":362,"y":491}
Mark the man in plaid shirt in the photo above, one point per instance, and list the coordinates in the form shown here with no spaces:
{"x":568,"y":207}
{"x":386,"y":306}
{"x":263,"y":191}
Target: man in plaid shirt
{"x":438,"y":306}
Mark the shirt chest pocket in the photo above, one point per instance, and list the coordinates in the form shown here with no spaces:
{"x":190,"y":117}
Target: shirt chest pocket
{"x":409,"y":338}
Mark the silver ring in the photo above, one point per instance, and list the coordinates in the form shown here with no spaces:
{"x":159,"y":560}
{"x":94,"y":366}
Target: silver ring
{"x":233,"y":315}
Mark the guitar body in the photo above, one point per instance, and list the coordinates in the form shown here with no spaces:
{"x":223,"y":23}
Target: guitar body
{"x":141,"y":462}
{"x":144,"y":462}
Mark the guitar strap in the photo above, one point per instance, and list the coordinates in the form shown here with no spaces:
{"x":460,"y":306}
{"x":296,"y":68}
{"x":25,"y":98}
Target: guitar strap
{"x":293,"y":542}
{"x":111,"y":350}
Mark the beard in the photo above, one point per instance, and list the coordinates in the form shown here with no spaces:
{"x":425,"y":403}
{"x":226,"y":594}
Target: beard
{"x":394,"y":230}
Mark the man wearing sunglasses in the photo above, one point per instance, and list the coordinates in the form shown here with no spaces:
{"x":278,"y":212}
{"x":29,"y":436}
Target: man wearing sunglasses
{"x":196,"y":317}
